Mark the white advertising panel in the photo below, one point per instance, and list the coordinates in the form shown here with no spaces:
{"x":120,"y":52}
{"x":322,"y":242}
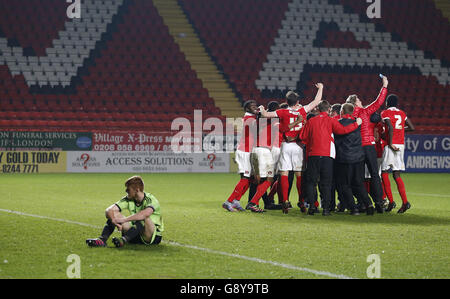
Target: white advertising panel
{"x":133,"y":161}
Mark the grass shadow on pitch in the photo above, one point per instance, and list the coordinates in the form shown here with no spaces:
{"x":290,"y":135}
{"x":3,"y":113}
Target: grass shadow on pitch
{"x":409,"y":218}
{"x":163,"y":247}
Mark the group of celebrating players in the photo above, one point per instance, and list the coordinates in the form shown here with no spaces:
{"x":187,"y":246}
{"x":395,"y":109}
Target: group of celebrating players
{"x":346,"y":149}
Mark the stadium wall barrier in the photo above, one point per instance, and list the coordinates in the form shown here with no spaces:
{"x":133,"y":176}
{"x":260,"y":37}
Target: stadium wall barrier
{"x":40,"y":152}
{"x":427,"y":153}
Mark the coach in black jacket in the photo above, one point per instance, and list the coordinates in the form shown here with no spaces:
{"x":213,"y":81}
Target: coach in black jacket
{"x":350,"y":164}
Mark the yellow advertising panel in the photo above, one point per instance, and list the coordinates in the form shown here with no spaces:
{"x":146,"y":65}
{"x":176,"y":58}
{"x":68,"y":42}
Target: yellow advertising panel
{"x":32,"y":162}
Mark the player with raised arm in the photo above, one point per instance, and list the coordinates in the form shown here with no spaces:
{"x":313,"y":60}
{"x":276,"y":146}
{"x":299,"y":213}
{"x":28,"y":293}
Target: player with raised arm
{"x":393,"y":155}
{"x":292,"y":150}
{"x":242,"y":157}
{"x":368,"y":140}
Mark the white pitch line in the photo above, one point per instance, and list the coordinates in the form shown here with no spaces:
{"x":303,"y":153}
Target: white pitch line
{"x":253,"y":259}
{"x":428,"y":194}
{"x":49,"y":218}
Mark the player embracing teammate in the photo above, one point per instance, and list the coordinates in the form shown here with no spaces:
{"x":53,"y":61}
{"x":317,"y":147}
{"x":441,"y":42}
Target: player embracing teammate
{"x":242,"y":157}
{"x":292,"y":154}
{"x":311,"y":144}
{"x":368,"y":141}
{"x":396,"y":123}
{"x":291,"y":158}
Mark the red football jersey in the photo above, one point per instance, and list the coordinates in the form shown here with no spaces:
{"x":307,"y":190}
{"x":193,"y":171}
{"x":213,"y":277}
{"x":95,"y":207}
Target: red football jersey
{"x":397,"y":118}
{"x":365,"y":113}
{"x":288,"y":116}
{"x":247,"y":139}
{"x":318,"y":135}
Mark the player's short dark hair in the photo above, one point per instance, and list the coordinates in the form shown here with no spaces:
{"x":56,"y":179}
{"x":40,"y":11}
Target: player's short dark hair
{"x":273,"y":106}
{"x":292,"y":98}
{"x":347,"y":108}
{"x":248,"y":103}
{"x":135,"y":181}
{"x":375,"y":118}
{"x":392,"y":100}
{"x":336,"y":108}
{"x":324,"y":106}
{"x":351,"y":99}
{"x":284,"y":105}
{"x":310,"y":115}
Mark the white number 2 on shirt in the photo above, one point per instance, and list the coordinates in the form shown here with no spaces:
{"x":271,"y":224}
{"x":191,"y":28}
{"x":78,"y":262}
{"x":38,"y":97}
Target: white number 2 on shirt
{"x":398,"y":123}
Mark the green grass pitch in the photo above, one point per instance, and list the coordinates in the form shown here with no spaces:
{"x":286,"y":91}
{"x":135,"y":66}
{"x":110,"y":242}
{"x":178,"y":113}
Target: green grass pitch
{"x":47,"y":217}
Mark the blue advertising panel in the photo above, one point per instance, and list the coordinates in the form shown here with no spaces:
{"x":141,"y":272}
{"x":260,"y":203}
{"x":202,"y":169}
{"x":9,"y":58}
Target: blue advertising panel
{"x":427,"y":153}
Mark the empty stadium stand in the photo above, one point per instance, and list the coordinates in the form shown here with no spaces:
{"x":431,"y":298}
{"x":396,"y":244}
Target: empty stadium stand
{"x":238,"y":34}
{"x":31,"y":27}
{"x":325,"y":40}
{"x":120,"y":67}
{"x":415,"y":22}
{"x":119,"y":57}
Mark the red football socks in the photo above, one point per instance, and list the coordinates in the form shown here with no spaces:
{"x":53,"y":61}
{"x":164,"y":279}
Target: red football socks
{"x":239,"y":190}
{"x":401,"y":189}
{"x":387,"y":186}
{"x":284,"y":180}
{"x":262,"y":188}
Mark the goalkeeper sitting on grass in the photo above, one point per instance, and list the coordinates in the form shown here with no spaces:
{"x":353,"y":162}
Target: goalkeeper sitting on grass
{"x":143,"y":226}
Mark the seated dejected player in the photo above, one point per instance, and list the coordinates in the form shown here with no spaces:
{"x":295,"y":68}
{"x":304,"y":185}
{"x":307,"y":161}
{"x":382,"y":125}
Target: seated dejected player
{"x":143,"y":226}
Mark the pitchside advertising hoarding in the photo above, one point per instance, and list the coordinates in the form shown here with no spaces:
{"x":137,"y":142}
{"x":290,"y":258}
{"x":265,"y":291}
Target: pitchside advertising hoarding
{"x":63,"y":141}
{"x":131,"y":141}
{"x":40,"y":152}
{"x":143,"y":161}
{"x":427,"y":153}
{"x":33,"y":161}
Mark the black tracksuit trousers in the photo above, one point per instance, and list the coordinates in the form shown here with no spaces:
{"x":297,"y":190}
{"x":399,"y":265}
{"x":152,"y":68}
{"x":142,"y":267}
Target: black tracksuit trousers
{"x":376,"y":190}
{"x":350,"y":180}
{"x":319,"y":170}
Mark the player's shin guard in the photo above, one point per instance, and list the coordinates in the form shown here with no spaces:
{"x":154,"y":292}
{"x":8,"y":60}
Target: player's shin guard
{"x":401,"y":189}
{"x":387,"y":186}
{"x":239,"y":190}
{"x":108,"y":229}
{"x":262,"y":188}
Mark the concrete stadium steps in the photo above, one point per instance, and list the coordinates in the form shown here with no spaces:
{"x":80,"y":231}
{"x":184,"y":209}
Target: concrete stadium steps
{"x":444,"y":6}
{"x":189,"y":43}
